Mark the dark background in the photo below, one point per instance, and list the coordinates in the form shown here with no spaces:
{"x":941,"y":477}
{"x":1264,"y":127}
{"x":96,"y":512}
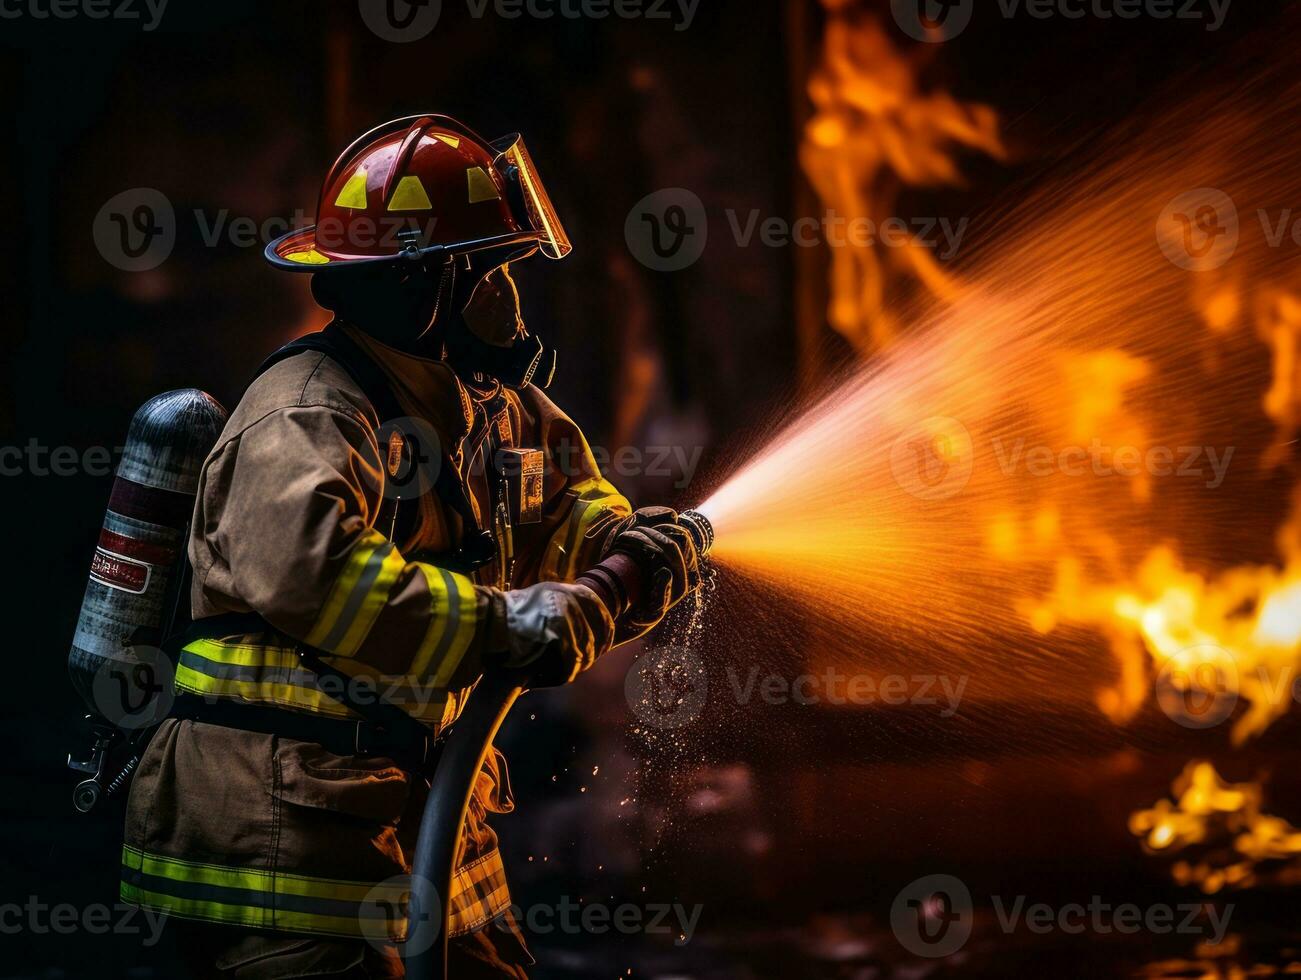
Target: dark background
{"x":793,"y":832}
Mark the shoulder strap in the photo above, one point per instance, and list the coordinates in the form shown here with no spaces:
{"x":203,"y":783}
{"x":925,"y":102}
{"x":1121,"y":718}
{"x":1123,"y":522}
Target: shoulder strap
{"x":476,"y":547}
{"x":345,"y":352}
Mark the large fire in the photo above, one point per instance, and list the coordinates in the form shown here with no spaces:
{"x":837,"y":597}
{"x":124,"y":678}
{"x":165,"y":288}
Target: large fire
{"x":1072,"y":437}
{"x":1233,"y":843}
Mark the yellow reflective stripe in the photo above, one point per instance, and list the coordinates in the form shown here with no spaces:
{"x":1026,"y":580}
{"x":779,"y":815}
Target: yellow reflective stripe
{"x":453,"y":620}
{"x":243,"y":654}
{"x":194,"y":908}
{"x":372,"y":603}
{"x":336,"y":603}
{"x":290,"y":695}
{"x":282,"y":901}
{"x":255,"y":879}
{"x":596,"y":498}
{"x":270,"y":899}
{"x":234,"y":670}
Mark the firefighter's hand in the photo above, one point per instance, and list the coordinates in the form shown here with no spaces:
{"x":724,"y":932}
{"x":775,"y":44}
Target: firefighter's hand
{"x":666,"y":552}
{"x":555,"y":631}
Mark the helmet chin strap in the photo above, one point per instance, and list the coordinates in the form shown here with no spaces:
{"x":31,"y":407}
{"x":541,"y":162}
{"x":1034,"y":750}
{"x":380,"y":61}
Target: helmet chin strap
{"x":433,"y":332}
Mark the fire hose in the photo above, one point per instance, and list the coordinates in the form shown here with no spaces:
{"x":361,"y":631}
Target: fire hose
{"x":619,"y":581}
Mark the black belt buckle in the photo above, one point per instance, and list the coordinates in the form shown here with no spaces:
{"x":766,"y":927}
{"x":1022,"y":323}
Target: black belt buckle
{"x":371,"y":740}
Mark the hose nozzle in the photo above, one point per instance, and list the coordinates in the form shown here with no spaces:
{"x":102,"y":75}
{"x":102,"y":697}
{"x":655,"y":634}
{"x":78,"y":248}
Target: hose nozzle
{"x":618,"y":579}
{"x":701,"y":531}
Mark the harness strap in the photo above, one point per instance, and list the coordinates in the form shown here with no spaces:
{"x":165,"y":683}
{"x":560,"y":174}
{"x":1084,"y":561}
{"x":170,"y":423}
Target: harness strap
{"x":476,"y":548}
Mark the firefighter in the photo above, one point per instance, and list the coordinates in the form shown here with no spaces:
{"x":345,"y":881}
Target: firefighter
{"x":277,"y":810}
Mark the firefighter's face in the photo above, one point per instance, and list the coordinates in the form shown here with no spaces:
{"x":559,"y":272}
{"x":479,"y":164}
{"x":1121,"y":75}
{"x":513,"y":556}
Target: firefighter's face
{"x":493,"y":312}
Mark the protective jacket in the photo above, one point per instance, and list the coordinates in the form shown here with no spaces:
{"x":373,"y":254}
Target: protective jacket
{"x":264,"y":831}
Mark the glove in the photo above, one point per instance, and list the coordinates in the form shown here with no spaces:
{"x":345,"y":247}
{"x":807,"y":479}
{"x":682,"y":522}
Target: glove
{"x":555,"y":630}
{"x":666,"y":551}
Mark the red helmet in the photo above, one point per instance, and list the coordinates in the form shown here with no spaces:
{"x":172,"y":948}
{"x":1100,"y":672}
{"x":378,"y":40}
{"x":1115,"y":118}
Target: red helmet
{"x":420,"y":186}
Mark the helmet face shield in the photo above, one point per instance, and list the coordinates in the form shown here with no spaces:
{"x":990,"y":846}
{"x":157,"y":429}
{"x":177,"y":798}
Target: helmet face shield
{"x":537,"y":210}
